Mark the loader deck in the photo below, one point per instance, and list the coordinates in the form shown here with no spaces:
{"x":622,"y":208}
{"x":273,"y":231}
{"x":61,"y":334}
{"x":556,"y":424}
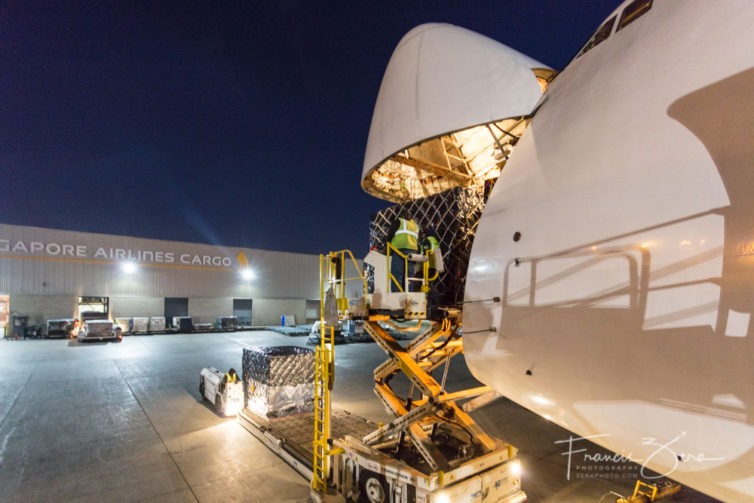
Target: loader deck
{"x":291,"y":437}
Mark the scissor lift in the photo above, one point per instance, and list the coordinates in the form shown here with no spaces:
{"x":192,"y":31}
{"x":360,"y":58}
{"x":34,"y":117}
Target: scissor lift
{"x":433,"y":452}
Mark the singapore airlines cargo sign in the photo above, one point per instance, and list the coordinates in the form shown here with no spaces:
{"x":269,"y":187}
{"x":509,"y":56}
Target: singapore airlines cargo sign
{"x":84,"y":253}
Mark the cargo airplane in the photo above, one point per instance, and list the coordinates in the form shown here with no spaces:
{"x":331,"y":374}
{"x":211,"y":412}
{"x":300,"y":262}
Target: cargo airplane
{"x":610,"y":287}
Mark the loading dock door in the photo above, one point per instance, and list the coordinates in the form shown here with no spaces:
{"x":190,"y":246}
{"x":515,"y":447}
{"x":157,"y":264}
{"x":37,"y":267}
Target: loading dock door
{"x":175,"y":306}
{"x":93,"y":308}
{"x":242,"y":311}
{"x":312,"y":310}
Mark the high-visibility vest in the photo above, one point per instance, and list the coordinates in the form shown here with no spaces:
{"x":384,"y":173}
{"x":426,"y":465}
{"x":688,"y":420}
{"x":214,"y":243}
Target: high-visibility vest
{"x":230,"y":378}
{"x":434,"y":245}
{"x":407,"y":235}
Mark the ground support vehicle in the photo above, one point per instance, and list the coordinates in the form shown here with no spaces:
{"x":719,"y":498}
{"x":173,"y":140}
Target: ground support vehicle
{"x":100,"y":330}
{"x":366,"y":474}
{"x":649,"y":492}
{"x":33,"y":332}
{"x":223,"y":391}
{"x":433,"y":452}
{"x":353,"y":331}
{"x":64,"y":328}
{"x":316,"y":331}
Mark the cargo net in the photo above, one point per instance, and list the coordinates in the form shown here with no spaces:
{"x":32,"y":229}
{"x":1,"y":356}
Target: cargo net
{"x":455,"y":215}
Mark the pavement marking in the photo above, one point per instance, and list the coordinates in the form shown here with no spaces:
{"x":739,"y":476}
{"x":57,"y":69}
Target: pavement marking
{"x":20,"y":473}
{"x":31,"y":374}
{"x":5,"y":443}
{"x":157,"y":432}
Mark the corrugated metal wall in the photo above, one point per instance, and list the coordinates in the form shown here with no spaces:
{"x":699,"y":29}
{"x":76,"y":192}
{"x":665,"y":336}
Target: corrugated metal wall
{"x":77,"y":268}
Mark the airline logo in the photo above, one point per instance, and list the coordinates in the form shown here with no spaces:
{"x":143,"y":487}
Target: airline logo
{"x":242,"y":260}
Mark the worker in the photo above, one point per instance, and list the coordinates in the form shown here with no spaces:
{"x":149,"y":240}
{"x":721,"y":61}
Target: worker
{"x":231,"y":376}
{"x":404,"y":236}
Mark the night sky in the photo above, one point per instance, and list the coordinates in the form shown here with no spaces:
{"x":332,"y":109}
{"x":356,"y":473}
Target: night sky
{"x":241,"y":124}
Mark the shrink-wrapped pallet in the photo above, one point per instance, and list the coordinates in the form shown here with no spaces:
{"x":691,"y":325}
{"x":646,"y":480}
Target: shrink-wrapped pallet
{"x":140,"y":325}
{"x":156,"y":324}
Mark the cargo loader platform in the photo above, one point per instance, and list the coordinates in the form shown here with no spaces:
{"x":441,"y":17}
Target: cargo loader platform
{"x":291,"y":437}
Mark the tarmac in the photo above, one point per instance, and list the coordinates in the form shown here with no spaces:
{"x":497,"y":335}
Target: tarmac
{"x":125,"y":422}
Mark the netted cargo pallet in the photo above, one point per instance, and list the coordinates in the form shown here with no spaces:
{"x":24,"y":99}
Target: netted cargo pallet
{"x":279,"y":380}
{"x":454,"y":214}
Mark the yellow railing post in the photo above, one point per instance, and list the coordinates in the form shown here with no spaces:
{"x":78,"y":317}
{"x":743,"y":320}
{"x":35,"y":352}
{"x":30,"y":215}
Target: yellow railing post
{"x":324,"y":361}
{"x":405,"y":273}
{"x":425,"y":270}
{"x":390,"y":271}
{"x":329,"y":265}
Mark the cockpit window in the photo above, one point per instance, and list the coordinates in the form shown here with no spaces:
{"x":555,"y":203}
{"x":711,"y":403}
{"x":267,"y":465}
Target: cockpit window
{"x":599,"y":36}
{"x":633,"y":11}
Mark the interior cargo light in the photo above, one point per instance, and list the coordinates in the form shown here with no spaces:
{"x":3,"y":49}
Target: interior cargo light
{"x":247,"y":274}
{"x":128,"y":267}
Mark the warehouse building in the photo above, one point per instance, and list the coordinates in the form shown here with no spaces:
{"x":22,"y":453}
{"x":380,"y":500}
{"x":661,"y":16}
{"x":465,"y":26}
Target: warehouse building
{"x":47,"y":274}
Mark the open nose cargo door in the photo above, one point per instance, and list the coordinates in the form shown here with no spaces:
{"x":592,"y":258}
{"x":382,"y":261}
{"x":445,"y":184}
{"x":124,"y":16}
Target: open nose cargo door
{"x":451,"y":107}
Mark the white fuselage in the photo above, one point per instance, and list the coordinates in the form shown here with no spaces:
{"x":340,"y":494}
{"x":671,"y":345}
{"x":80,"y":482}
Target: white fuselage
{"x":627,"y":304}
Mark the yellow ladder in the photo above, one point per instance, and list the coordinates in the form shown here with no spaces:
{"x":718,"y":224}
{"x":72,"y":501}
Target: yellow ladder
{"x":331,"y":272}
{"x":325,"y":361}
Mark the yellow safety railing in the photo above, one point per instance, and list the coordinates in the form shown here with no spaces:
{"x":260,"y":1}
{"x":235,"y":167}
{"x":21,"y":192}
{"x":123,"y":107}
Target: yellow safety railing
{"x":332,"y":271}
{"x":323,"y":382}
{"x":430,"y":259}
{"x":391,"y":279}
{"x":649,"y":492}
{"x":644,"y":489}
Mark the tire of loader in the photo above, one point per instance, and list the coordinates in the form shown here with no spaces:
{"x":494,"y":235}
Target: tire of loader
{"x":373,"y":488}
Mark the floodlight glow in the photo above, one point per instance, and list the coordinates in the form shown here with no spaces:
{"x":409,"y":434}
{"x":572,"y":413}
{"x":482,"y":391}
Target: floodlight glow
{"x":541,"y":400}
{"x":247,"y":274}
{"x":515,"y":468}
{"x":441,"y":498}
{"x":128,"y":267}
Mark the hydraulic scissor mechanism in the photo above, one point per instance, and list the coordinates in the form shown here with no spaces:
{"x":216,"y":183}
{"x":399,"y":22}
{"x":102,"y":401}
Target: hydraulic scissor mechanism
{"x":430,"y":432}
{"x":433,"y":451}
